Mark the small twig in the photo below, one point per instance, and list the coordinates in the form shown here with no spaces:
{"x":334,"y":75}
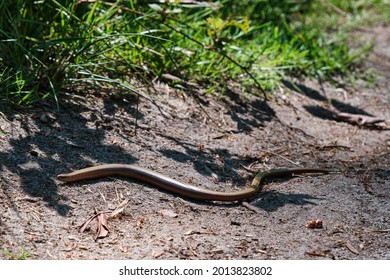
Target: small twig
{"x":102,"y":195}
{"x":136,"y":116}
{"x":316,"y":254}
{"x":335,"y":8}
{"x":287,"y":159}
{"x":185,"y":35}
{"x":357,"y":119}
{"x":248,"y":73}
{"x":204,"y":110}
{"x":295,"y":128}
{"x":191,"y":232}
{"x":377,"y":230}
{"x":119,"y":208}
{"x":249,"y":169}
{"x":113,"y":5}
{"x":251,"y":207}
{"x":332,"y":146}
{"x":365,"y":180}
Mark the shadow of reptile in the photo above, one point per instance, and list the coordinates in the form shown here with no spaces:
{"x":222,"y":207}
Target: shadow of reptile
{"x":272,"y":200}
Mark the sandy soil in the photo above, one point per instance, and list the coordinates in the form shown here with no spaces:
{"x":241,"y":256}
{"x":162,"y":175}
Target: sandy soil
{"x":208,"y":142}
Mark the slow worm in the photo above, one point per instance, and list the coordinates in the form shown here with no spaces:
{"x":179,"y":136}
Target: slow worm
{"x":174,"y":186}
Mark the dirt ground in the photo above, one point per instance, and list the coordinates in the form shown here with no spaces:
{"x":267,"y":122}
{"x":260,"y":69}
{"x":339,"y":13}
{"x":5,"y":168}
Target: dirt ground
{"x":208,"y":142}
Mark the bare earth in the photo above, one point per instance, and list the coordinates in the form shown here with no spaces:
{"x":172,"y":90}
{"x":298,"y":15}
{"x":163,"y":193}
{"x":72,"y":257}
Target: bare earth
{"x":211,"y":143}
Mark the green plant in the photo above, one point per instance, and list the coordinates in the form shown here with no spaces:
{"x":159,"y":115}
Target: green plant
{"x":49,"y":46}
{"x":22,"y":255}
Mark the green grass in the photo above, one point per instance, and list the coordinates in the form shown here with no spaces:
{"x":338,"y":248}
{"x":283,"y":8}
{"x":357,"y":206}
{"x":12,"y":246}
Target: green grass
{"x":51,"y":46}
{"x":23,"y":254}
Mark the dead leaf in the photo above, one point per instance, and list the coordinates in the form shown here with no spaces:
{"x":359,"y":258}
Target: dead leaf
{"x":103,"y":229}
{"x":84,"y":226}
{"x":102,"y":226}
{"x":251,"y":207}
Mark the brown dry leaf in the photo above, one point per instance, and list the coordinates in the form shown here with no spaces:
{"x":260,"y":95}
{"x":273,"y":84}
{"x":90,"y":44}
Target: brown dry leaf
{"x":102,"y":220}
{"x":84,"y":226}
{"x":102,"y":226}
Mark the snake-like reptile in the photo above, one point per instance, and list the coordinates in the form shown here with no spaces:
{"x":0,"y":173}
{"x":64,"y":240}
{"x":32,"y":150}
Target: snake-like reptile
{"x":174,"y":186}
